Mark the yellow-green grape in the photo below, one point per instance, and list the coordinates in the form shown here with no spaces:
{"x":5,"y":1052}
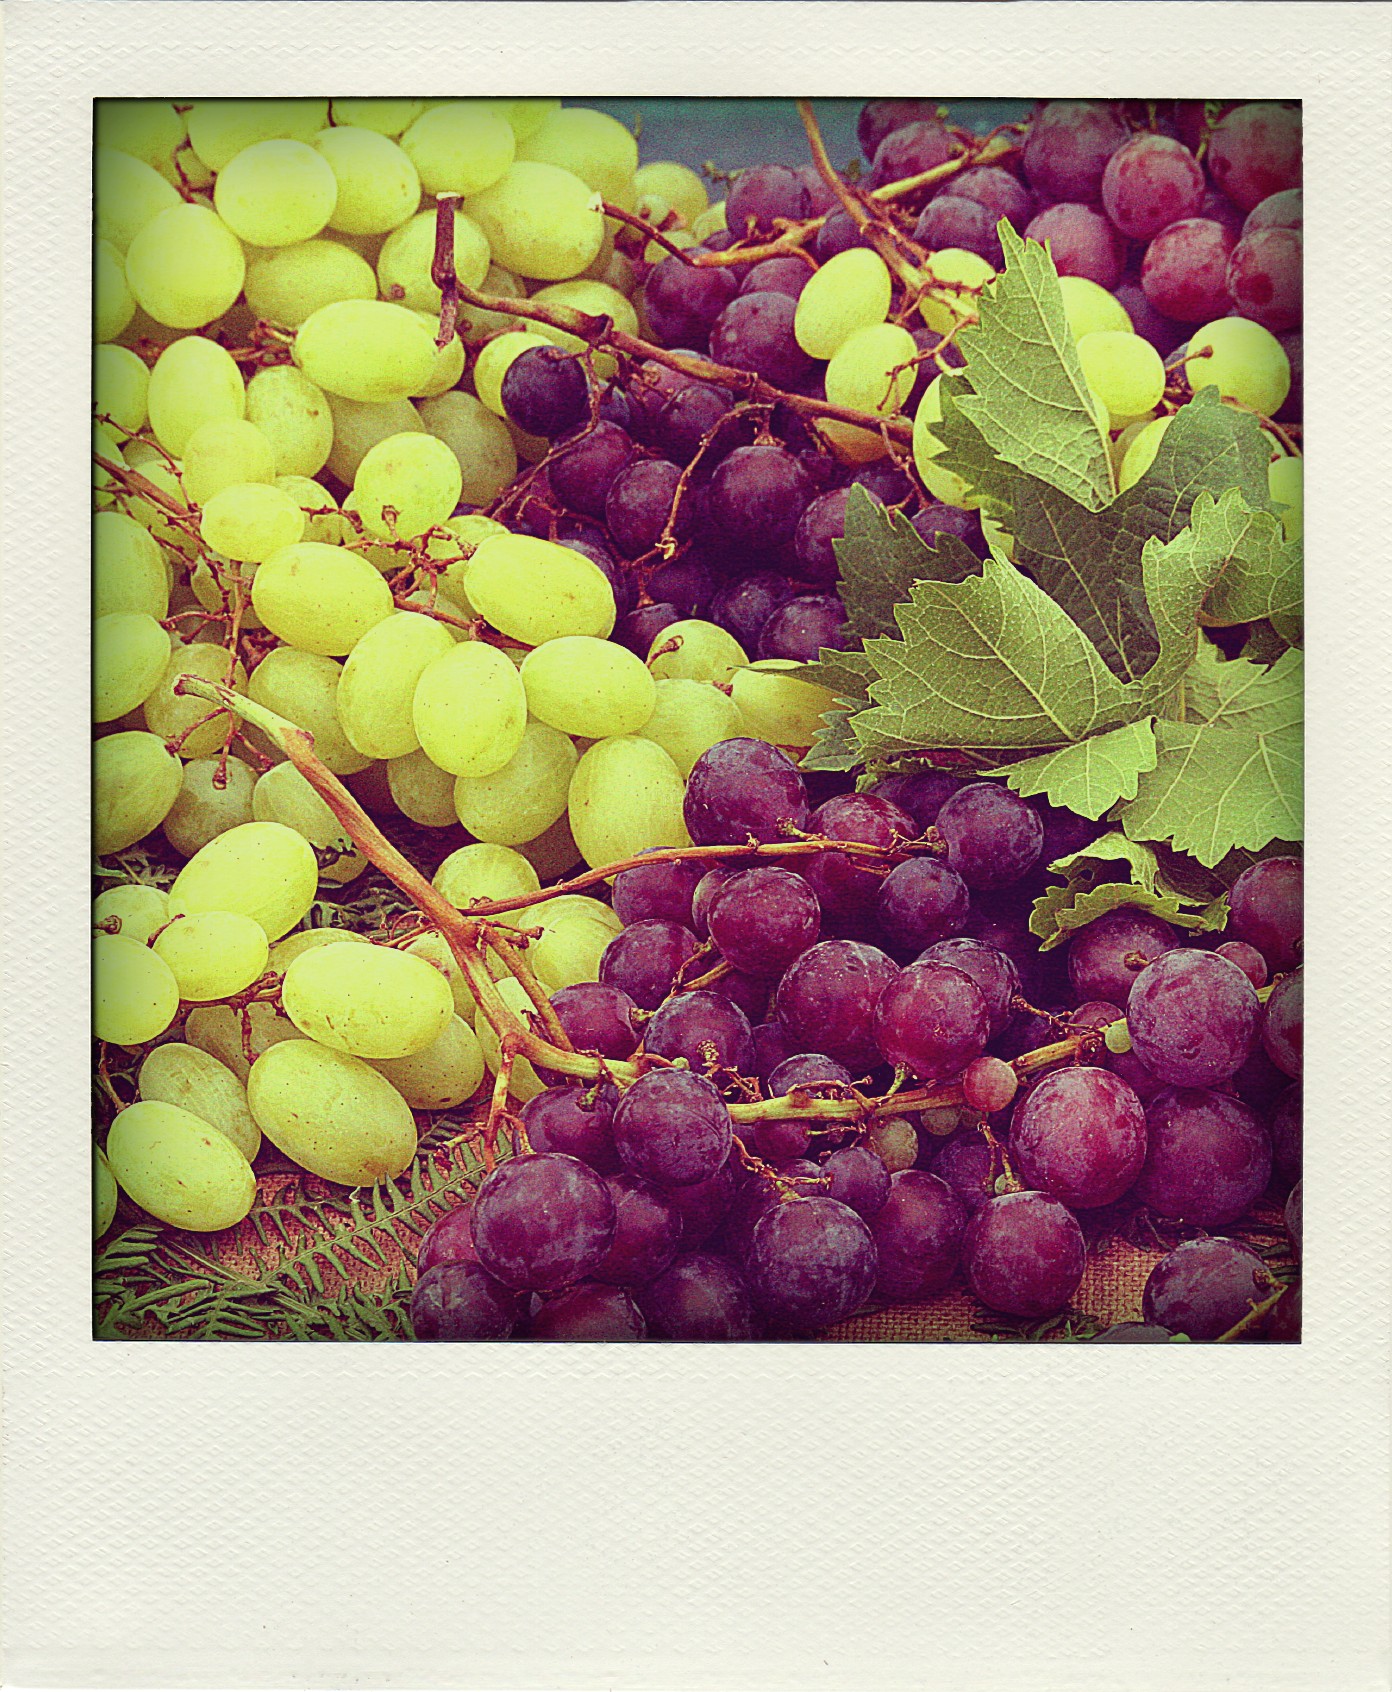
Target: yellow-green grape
{"x":625,"y":796}
{"x":146,"y":129}
{"x":331,"y":1112}
{"x":958,"y":278}
{"x":320,"y":598}
{"x":179,"y":1167}
{"x":560,"y":907}
{"x":422,"y":791}
{"x":1090,"y":309}
{"x":129,"y":651}
{"x":851,"y":291}
{"x":120,"y":384}
{"x":524,"y":116}
{"x":494,"y":359}
{"x":320,"y":508}
{"x":1124,"y":372}
{"x":282,"y":795}
{"x":134,"y":994}
{"x":128,"y":569}
{"x":470,"y":709}
{"x":485,"y":872}
{"x":194,"y":381}
{"x":680,"y":186}
{"x":710,"y":222}
{"x":539,"y":221}
{"x":591,"y":145}
{"x":475,"y":323}
{"x":1140,"y":454}
{"x":155,"y":520}
{"x":228,"y":1034}
{"x":894,"y":1140}
{"x":446,"y":1073}
{"x":223,"y":453}
{"x":530,"y":449}
{"x":778,"y":706}
{"x":407,"y":484}
{"x":478,"y":439}
{"x":293,"y":415}
{"x":449,"y":361}
{"x":378,"y":187}
{"x":523,"y":1081}
{"x":523,"y":798}
{"x":261,"y":869}
{"x":872,"y":369}
{"x":172,"y":715}
{"x":287,"y":285}
{"x":702,"y":652}
{"x":135,"y":779}
{"x":358,"y":427}
{"x":304,"y":688}
{"x":590,"y":687}
{"x":1285,"y":478}
{"x":535,"y":590}
{"x":378,"y":685}
{"x":372,"y":1001}
{"x":944,"y":485}
{"x":219,"y":129}
{"x":366,"y":350}
{"x":387,"y":117}
{"x":1243,"y":361}
{"x":214,"y":954}
{"x":569,"y":952}
{"x":113,"y":304}
{"x":285,"y":951}
{"x":128,"y":194}
{"x":183,"y":1075}
{"x":275,"y":193}
{"x":104,"y":1193}
{"x":459,"y":147}
{"x":594,"y":298}
{"x":403,"y":266}
{"x":203,"y":810}
{"x":434,"y":948}
{"x":104,"y":485}
{"x":185,"y":267}
{"x":138,"y":452}
{"x":135,"y":907}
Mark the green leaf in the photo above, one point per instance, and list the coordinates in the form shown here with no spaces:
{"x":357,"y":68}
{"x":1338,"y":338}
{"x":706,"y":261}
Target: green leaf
{"x":1085,"y":867}
{"x":1236,"y":693}
{"x":846,"y":674}
{"x":1091,"y":775}
{"x":1061,"y":911}
{"x":1264,"y":645}
{"x":880,"y":558}
{"x":1262,"y":575}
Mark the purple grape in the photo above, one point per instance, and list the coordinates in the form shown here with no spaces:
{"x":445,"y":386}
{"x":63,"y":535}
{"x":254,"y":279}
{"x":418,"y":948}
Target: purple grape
{"x":823,"y":197}
{"x":771,"y":1046}
{"x":1293,"y":407}
{"x":1247,"y":958}
{"x":662,"y":890}
{"x":1192,"y":1017}
{"x":931,"y":1020}
{"x":614,"y":406}
{"x":1265,"y":277}
{"x":598,"y":1017}
{"x":639,"y":505}
{"x":993,"y":837}
{"x":921,"y":901}
{"x":879,"y":118}
{"x":1003,"y":195}
{"x":990,"y":970}
{"x":672,"y":1128}
{"x":1208,"y":1158}
{"x":757,"y":496}
{"x":1204,"y":1287}
{"x":839,"y":234}
{"x":1259,"y":1082}
{"x":641,"y":628}
{"x":682,"y":301}
{"x":644,"y":960}
{"x":703,"y":1206}
{"x":989,"y":1084}
{"x":542,"y":1222}
{"x":802,"y":627}
{"x":811,"y":1263}
{"x":1080,"y":1135}
{"x":1294,"y":1217}
{"x":848,"y":885}
{"x":951,"y":221}
{"x":922,"y":794}
{"x":762,"y":919}
{"x":462,"y":1301}
{"x":885,"y":480}
{"x":575,"y":1120}
{"x":910,"y":150}
{"x":1287,"y":1135}
{"x":703,"y":899}
{"x":857,"y":1178}
{"x":1024,"y":1254}
{"x":589,"y":1313}
{"x":702,"y":1296}
{"x":1163,"y":333}
{"x":1283,"y":1025}
{"x":1218,"y":208}
{"x":750,"y":992}
{"x":826,"y":1000}
{"x":692,"y":420}
{"x":788,"y":276}
{"x":584,"y":470}
{"x":1282,"y":1324}
{"x":937,"y":519}
{"x":1285,"y":210}
{"x":1069,"y":144}
{"x":966,"y":1161}
{"x":1107,"y":954}
{"x":1255,"y":152}
{"x":1266,"y":908}
{"x":685,"y":583}
{"x":755,"y":332}
{"x":647,"y":1232}
{"x":918,"y":1236}
{"x":1150,"y":182}
{"x":651,"y":388}
{"x":1133,"y":1333}
{"x":1081,"y":241}
{"x":740,"y":788}
{"x":743,"y":607}
{"x":544,"y":391}
{"x":759,"y":196}
{"x":821,"y":524}
{"x":710,"y":1031}
{"x":448,"y":1239}
{"x":1184,"y":271}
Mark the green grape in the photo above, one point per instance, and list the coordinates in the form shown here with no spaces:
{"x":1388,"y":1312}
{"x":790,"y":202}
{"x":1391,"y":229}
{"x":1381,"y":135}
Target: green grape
{"x":261,"y":869}
{"x":702,"y":652}
{"x":1124,"y":372}
{"x":377,"y":184}
{"x":561,"y":907}
{"x":446,"y":1073}
{"x":1116,"y":1036}
{"x":229,"y":1035}
{"x":304,"y":688}
{"x":282,"y":795}
{"x":372,"y":1001}
{"x":595,"y":298}
{"x":449,"y":361}
{"x":185,"y":267}
{"x":179,"y":1167}
{"x":320,"y":598}
{"x":129,"y":652}
{"x":539,"y":221}
{"x":434,"y":948}
{"x":459,"y":147}
{"x":120,"y":384}
{"x":494,"y":359}
{"x":194,"y":381}
{"x":203,"y":810}
{"x":222,"y":454}
{"x":850,"y":291}
{"x":1090,"y":309}
{"x":104,"y":446}
{"x":286,"y":285}
{"x":285,"y":951}
{"x":127,"y":195}
{"x":387,"y":117}
{"x":478,"y":439}
{"x":358,"y":427}
{"x":422,"y":791}
{"x":320,"y":508}
{"x":569,"y":952}
{"x":146,"y":129}
{"x":128,"y":569}
{"x":137,"y":908}
{"x":535,"y":590}
{"x":405,"y":485}
{"x":214,"y":954}
{"x":470,"y":709}
{"x":872,"y":369}
{"x":523,"y":798}
{"x":485,"y":872}
{"x":172,"y":715}
{"x":366,"y":350}
{"x":676,"y":183}
{"x":378,"y":683}
{"x":523,"y":116}
{"x":523,"y":1081}
{"x":625,"y":796}
{"x":134,"y":994}
{"x":104,"y":1193}
{"x":959,"y":276}
{"x":183,"y":1075}
{"x":944,"y":485}
{"x":1140,"y":453}
{"x":591,"y":145}
{"x":113,"y":304}
{"x":1285,"y":478}
{"x":275,"y":193}
{"x":589,"y":687}
{"x":476,"y":324}
{"x":1243,"y":361}
{"x":403,"y":266}
{"x":220,"y":129}
{"x":135,"y":779}
{"x":216,"y":583}
{"x":777,"y":705}
{"x":712,"y":221}
{"x":894,"y":1140}
{"x":293,"y":416}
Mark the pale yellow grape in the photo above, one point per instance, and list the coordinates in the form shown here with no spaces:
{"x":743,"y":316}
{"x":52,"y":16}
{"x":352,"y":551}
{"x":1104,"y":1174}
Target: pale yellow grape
{"x":535,"y":590}
{"x":459,"y":147}
{"x":1090,"y":309}
{"x":172,"y":715}
{"x":138,"y":452}
{"x":688,"y":718}
{"x":146,"y":129}
{"x":1118,"y":444}
{"x":358,"y":427}
{"x":449,"y":361}
{"x":1285,"y":478}
{"x":322,"y":521}
{"x":293,"y":416}
{"x":1243,"y":361}
{"x":625,"y":796}
{"x":387,"y":117}
{"x":422,"y":791}
{"x":262,"y":870}
{"x":179,"y":1167}
{"x":710,"y":222}
{"x":485,"y":872}
{"x":479,"y":440}
{"x":303,"y":687}
{"x":128,"y":570}
{"x":494,"y":360}
{"x":285,"y":951}
{"x":776,"y":705}
{"x":944,"y":485}
{"x":275,"y":193}
{"x":872,"y":370}
{"x":539,"y":221}
{"x":366,"y":350}
{"x":105,"y":446}
{"x":113,"y":304}
{"x":372,"y":1001}
{"x":680,"y":186}
{"x":320,"y":598}
{"x":446,"y":1073}
{"x":959,"y":277}
{"x":194,"y":381}
{"x":185,"y":267}
{"x":569,"y":952}
{"x":530,"y":449}
{"x":203,"y":810}
{"x":378,"y":187}
{"x":120,"y":384}
{"x":594,"y":298}
{"x":225,"y":1033}
{"x":1140,"y":454}
{"x":590,"y":144}
{"x":434,"y":948}
{"x":135,"y":780}
{"x":137,"y":909}
{"x":524,"y":116}
{"x":851,"y":291}
{"x":184,"y":1075}
{"x":220,"y":129}
{"x":283,"y":795}
{"x":523,"y":1081}
{"x":214,"y":954}
{"x":589,"y":687}
{"x":222,"y":453}
{"x":331,"y":1112}
{"x":524,"y":798}
{"x":403,"y":266}
{"x":469,"y":709}
{"x":104,"y":1193}
{"x":1124,"y":372}
{"x":128,"y":194}
{"x":476,"y":323}
{"x":129,"y":650}
{"x":702,"y":652}
{"x":560,"y":907}
{"x":378,"y":684}
{"x":287,"y":285}
{"x":134,"y":994}
{"x":407,"y":484}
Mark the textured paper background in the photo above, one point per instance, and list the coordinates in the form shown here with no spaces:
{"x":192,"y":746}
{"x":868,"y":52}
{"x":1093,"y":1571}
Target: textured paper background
{"x":965,"y":1518}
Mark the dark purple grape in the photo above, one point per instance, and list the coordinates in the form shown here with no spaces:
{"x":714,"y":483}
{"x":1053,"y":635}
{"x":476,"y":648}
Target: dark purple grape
{"x":755,"y":332}
{"x":918,"y":1236}
{"x":1079,"y":1135}
{"x":1208,"y":1158}
{"x":584,"y":470}
{"x":589,"y":1313}
{"x":1259,"y":1082}
{"x":1247,"y":958}
{"x":847,"y":884}
{"x":692,"y":419}
{"x":826,"y":1000}
{"x":1266,"y":908}
{"x":640,"y":503}
{"x":645,"y":958}
{"x":758,"y":197}
{"x":1003,"y":195}
{"x":1081,"y":242}
{"x":1184,"y":272}
{"x":885,"y":480}
{"x":703,"y":899}
{"x":1065,"y":832}
{"x":743,"y":607}
{"x":910,"y":150}
{"x":1287,"y":1135}
{"x":788,"y":276}
{"x":762,"y":919}
{"x":672,"y":1128}
{"x":703,"y":1205}
{"x":614,"y":406}
{"x":542,"y":1221}
{"x":685,"y":583}
{"x":931,"y":1020}
{"x":598,"y":1017}
{"x":662,"y":890}
{"x":1163,"y":333}
{"x":951,"y":221}
{"x":750,"y":992}
{"x":989,"y":1084}
{"x":702,"y":1296}
{"x":1069,"y":144}
{"x":448,"y":1239}
{"x":969,"y":1165}
{"x":1204,"y":1287}
{"x":1133,"y":1333}
{"x":811,"y":1262}
{"x":544,"y":391}
{"x":1265,"y":277}
{"x":993,"y":837}
{"x":647,"y":1232}
{"x":640,"y":628}
{"x":740,"y":788}
{"x":858,"y":1178}
{"x":1024,"y":1254}
{"x":991,"y":970}
{"x":821,"y":524}
{"x":802,"y":627}
{"x":1107,"y":954}
{"x":1218,"y":208}
{"x":1192,"y":1017}
{"x":839,"y":234}
{"x":1283,"y":1025}
{"x":1294,"y":1217}
{"x":936,"y":519}
{"x":922,"y":795}
{"x":575,"y":1120}
{"x":1285,"y":210}
{"x":710,"y":1031}
{"x":771,"y":1046}
{"x":757,"y":495}
{"x":1150,"y":182}
{"x":462,"y":1301}
{"x":921,"y":901}
{"x":879,"y":118}
{"x":1255,"y":152}
{"x":682,"y":301}
{"x":781,"y":1138}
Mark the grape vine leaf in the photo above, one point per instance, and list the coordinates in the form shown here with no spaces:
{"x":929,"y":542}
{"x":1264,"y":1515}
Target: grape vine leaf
{"x":1236,"y":693}
{"x":1152,"y":880}
{"x":1090,"y":863}
{"x":1262,"y":574}
{"x":1060,"y":911}
{"x":846,"y":674}
{"x":1090,"y":775}
{"x":879,"y":559}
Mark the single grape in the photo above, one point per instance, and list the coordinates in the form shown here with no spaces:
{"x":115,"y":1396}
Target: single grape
{"x":811,"y":1262}
{"x":993,"y":972}
{"x":542,"y":1221}
{"x":1288,"y":1134}
{"x":763,"y":919}
{"x":589,"y":1313}
{"x":743,"y":607}
{"x":1081,"y":242}
{"x":969,"y":1165}
{"x":703,"y":1205}
{"x":598,"y":1018}
{"x":858,"y":1177}
{"x":993,"y":837}
{"x":1204,"y":1287}
{"x":1163,"y":333}
{"x":1124,"y":372}
{"x":1184,"y":272}
{"x":703,"y":899}
{"x":1264,"y":277}
{"x":574,"y":1120}
{"x":936,"y":519}
{"x":702,"y":1296}
{"x":544,"y":391}
{"x":827,"y":999}
{"x":691,"y":419}
{"x":1266,"y":908}
{"x":952,"y":221}
{"x":1024,"y":1254}
{"x":1080,"y":1135}
{"x":920,"y":901}
{"x":922,"y":794}
{"x":1283,"y":1025}
{"x":839,"y":234}
{"x":663,"y":890}
{"x":782,"y":1138}
{"x":672,"y":1128}
{"x":456,"y":1300}
{"x":771,"y":1046}
{"x":847,"y":884}
{"x":755,"y":332}
{"x":1247,"y":958}
{"x":707,"y":1029}
{"x":800,"y":628}
{"x":682,"y":301}
{"x":1255,"y":151}
{"x":820,"y":526}
{"x":1208,"y":1158}
{"x":448,"y":1239}
{"x":931,"y":1020}
{"x":1192,"y":1017}
{"x":1069,"y":145}
{"x":640,"y":504}
{"x":1283,"y":210}
{"x":741,"y":788}
{"x":647,"y":1233}
{"x":1150,"y":182}
{"x":639,"y":630}
{"x":757,"y":496}
{"x":645,"y":959}
{"x":585,"y":468}
{"x":918,"y":1235}
{"x":911,"y":149}
{"x":989,"y":1084}
{"x":879,"y":118}
{"x":788,"y":276}
{"x":1242,"y":360}
{"x":762,"y":194}
{"x":1107,"y":954}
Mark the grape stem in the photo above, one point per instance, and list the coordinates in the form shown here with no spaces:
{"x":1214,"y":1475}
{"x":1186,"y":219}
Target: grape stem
{"x":1252,"y":1319}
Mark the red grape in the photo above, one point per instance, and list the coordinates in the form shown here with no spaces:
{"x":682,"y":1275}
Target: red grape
{"x":993,"y":837}
{"x":542,"y":1221}
{"x":1267,"y":910}
{"x":763,"y":919}
{"x":921,"y":901}
{"x":576,"y":1120}
{"x":1150,"y":182}
{"x":1024,"y":1254}
{"x":702,"y":1296}
{"x":741,"y":788}
{"x":1256,"y":152}
{"x":1185,"y":269}
{"x":661,"y":889}
{"x":598,"y":1018}
{"x":857,"y":1177}
{"x":462,"y":1301}
{"x":710,"y":1031}
{"x":1192,"y":1017}
{"x":989,"y":1084}
{"x":992,"y":970}
{"x":1079,"y":1135}
{"x":672,"y":1128}
{"x":811,"y":1262}
{"x":589,"y":1312}
{"x":1204,"y":1287}
{"x":846,"y":885}
{"x":826,"y":1000}
{"x":682,"y":301}
{"x":932,"y":1020}
{"x":1081,"y":242}
{"x":762,"y":194}
{"x":647,"y":1232}
{"x":1069,"y":144}
{"x":918,"y":1236}
{"x":1106,"y":956}
{"x":644,"y":959}
{"x":1283,"y":1025}
{"x":1207,"y":1157}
